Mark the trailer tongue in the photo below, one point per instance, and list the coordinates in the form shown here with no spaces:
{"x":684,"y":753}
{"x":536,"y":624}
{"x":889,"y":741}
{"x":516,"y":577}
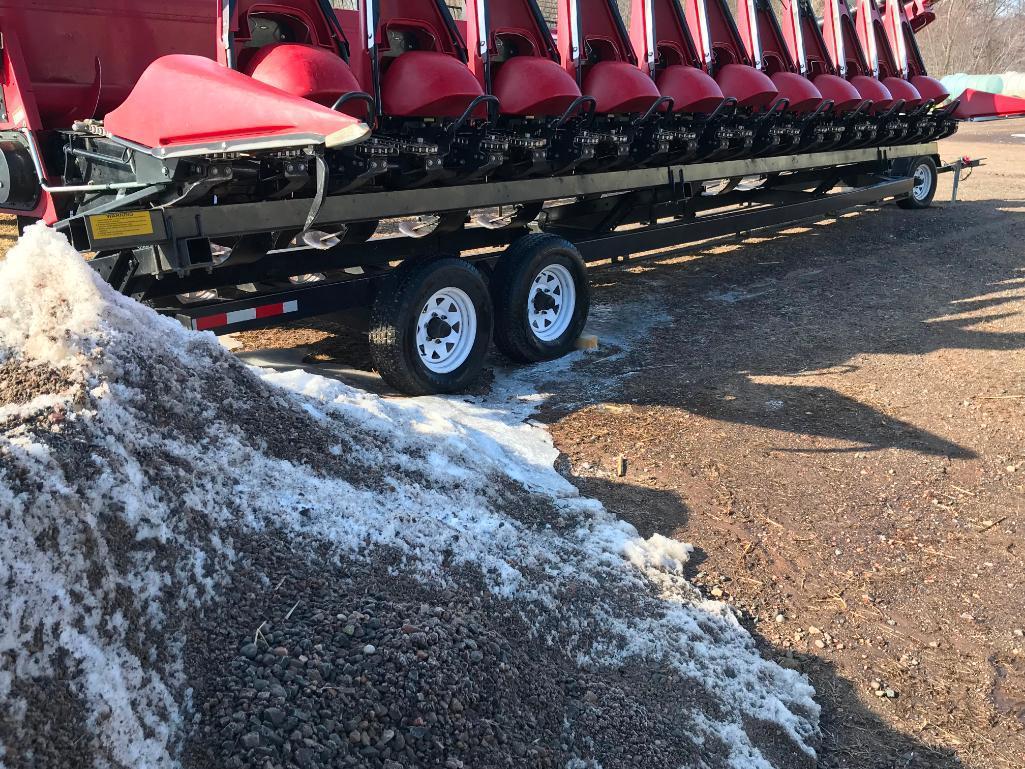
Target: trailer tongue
{"x":235,"y":170}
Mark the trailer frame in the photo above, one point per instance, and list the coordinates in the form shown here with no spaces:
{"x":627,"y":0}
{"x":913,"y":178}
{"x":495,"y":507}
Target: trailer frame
{"x":168,"y":251}
{"x":614,"y":217}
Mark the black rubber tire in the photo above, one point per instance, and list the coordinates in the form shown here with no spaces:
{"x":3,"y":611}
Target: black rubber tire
{"x":510,"y":288}
{"x":912,"y":203}
{"x":393,"y":320}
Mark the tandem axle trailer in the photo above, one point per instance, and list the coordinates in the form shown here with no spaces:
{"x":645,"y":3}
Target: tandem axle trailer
{"x":503,"y":259}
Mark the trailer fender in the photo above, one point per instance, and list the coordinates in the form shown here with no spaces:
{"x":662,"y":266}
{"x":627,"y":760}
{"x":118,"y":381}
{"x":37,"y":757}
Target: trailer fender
{"x":189,"y":105}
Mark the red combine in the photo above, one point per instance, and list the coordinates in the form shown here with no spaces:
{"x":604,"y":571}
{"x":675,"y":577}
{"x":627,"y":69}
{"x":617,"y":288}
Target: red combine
{"x":240,"y":162}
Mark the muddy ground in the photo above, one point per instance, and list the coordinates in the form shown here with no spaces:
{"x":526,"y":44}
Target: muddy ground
{"x":834,"y":415}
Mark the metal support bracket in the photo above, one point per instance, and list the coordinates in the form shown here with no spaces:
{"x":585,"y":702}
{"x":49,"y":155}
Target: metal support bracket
{"x":957,"y":167}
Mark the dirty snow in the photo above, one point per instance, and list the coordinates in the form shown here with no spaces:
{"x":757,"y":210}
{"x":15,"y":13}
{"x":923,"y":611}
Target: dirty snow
{"x":123,"y":478}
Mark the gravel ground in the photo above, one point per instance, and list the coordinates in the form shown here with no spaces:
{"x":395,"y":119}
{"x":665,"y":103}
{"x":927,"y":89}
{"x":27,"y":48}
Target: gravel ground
{"x":832,"y":413}
{"x":204,"y":569}
{"x":365,"y":668}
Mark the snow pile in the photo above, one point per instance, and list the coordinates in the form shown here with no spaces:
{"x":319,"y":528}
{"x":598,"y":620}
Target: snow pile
{"x":134,"y":455}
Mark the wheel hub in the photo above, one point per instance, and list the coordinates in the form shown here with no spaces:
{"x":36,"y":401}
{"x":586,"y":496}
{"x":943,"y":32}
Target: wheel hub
{"x":438,"y":329}
{"x":446,"y":330}
{"x":551,"y":302}
{"x":544,"y":301}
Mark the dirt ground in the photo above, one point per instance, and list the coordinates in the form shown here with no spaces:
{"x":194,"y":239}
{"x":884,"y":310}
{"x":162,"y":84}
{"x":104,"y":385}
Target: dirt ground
{"x":833,"y":416}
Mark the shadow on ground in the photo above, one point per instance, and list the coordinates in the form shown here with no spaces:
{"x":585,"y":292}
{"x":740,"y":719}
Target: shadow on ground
{"x":853,"y":737}
{"x":751,"y":320}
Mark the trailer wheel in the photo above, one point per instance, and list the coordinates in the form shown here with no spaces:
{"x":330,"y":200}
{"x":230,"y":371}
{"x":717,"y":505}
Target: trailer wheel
{"x":430,"y":327}
{"x":926,"y":178}
{"x":541,"y":298}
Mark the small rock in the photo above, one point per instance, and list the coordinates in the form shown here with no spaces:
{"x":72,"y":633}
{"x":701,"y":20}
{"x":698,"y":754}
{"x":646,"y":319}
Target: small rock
{"x":275,"y":715}
{"x":717,"y":592}
{"x":890,"y":694}
{"x":780,"y":618}
{"x":820,"y":644}
{"x":251,"y":740}
{"x":249,"y":651}
{"x":369,"y":649}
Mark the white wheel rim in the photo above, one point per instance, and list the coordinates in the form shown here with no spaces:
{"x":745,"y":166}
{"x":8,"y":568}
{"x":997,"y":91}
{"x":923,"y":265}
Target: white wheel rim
{"x":923,"y":181}
{"x":551,"y":302}
{"x":446,"y":330}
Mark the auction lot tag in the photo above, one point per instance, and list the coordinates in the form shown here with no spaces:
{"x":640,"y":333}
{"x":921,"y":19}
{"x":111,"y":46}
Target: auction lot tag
{"x":121,"y":225}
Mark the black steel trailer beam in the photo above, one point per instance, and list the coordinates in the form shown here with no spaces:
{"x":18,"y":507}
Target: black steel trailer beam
{"x":282,"y":265}
{"x":574,"y":219}
{"x":615,"y":244}
{"x":332,"y":296}
{"x":243,"y":218}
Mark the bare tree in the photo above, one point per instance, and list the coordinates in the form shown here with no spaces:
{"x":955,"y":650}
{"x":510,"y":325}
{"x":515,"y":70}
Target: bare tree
{"x":975,"y":36}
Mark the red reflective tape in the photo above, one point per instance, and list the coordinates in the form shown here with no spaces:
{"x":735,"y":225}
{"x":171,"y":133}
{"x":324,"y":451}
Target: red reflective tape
{"x":270,"y":310}
{"x":244,"y":316}
{"x":211,"y":321}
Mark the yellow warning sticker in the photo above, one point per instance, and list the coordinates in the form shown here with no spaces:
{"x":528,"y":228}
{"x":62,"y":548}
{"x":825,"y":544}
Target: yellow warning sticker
{"x":122,"y":225}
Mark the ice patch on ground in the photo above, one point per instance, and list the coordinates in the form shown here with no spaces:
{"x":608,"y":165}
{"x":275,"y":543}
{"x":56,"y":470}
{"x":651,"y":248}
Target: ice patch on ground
{"x":144,"y":447}
{"x":519,"y":391}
